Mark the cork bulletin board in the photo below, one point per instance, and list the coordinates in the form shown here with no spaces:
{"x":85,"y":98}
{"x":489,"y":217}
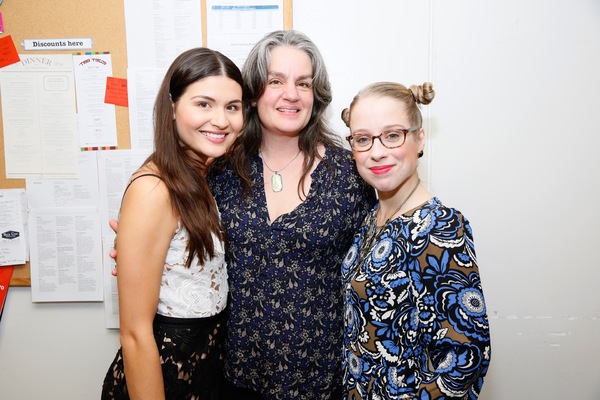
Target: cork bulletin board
{"x":104,"y":23}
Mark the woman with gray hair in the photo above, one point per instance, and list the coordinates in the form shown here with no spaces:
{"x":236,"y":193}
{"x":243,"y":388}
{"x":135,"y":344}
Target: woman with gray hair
{"x":290,"y":200}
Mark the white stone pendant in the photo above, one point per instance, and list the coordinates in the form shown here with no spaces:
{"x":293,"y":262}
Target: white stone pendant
{"x":276,"y":182}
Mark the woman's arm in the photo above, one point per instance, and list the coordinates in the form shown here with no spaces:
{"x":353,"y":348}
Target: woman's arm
{"x":146,"y":226}
{"x":459,"y":344}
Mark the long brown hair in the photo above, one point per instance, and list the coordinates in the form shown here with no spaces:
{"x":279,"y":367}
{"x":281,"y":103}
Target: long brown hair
{"x":183,"y":175}
{"x":255,"y":72}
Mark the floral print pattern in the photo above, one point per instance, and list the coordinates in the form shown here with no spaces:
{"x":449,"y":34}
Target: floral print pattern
{"x":415,"y":322}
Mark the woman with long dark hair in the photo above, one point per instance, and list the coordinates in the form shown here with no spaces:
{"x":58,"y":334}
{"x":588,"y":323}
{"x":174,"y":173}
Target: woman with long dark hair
{"x":172,"y":279}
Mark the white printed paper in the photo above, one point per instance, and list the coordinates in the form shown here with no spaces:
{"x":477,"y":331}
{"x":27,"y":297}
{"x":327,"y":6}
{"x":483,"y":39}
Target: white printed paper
{"x":66,"y":241}
{"x":143,"y":86}
{"x":115,"y":169}
{"x":66,"y":255}
{"x":157,"y":32}
{"x":97,"y":120}
{"x":160,"y":30}
{"x":13,"y":235}
{"x":234,"y":27}
{"x":39,"y":117}
{"x":67,"y":193}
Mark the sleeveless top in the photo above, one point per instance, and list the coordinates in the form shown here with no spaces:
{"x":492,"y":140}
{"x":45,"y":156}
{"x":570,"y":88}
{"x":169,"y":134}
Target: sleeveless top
{"x":196,"y":292}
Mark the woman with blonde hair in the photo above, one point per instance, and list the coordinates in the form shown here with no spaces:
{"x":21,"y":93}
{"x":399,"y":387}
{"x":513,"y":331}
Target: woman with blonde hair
{"x":415,"y":322}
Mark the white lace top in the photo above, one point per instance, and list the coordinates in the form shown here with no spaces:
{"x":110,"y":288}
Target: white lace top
{"x":196,"y":292}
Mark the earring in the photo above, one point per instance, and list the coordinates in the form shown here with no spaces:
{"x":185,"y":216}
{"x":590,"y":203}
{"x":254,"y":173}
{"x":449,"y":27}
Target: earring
{"x":420,"y":153}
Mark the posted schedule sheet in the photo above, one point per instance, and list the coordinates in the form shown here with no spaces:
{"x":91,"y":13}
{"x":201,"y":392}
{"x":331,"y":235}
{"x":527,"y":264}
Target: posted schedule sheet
{"x":65,"y":236}
{"x":234,"y":29}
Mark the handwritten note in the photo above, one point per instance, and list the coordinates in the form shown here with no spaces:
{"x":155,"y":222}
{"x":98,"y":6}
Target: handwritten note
{"x":116,"y":91}
{"x":8,"y":52}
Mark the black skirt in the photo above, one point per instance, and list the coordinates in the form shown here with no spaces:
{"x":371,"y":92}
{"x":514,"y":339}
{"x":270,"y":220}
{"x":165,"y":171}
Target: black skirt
{"x":191,"y":354}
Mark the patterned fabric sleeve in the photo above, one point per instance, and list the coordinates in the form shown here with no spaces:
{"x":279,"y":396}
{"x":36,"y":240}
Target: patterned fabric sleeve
{"x":450,"y":309}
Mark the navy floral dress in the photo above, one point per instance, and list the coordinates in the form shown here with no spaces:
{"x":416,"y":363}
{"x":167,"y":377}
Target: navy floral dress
{"x":415,"y":318}
{"x":285,"y":327}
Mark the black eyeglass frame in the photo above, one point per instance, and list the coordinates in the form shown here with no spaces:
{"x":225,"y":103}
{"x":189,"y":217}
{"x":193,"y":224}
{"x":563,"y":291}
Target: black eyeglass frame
{"x":350,"y":138}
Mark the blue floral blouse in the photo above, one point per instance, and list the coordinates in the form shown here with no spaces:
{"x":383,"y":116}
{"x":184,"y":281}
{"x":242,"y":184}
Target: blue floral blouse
{"x":415,"y":324}
{"x":285,"y":326}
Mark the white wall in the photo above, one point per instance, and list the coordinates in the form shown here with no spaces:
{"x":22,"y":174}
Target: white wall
{"x":513,"y":133}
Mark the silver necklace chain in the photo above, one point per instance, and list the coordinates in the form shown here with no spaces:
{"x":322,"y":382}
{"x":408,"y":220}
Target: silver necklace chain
{"x":279,"y":170}
{"x":403,"y":203}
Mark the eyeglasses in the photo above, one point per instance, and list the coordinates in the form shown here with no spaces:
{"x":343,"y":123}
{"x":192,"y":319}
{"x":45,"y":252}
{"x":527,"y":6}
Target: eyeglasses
{"x":389,"y":139}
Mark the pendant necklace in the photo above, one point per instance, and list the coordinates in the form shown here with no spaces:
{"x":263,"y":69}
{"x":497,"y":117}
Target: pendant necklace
{"x":373,"y":232}
{"x":277,"y":179}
